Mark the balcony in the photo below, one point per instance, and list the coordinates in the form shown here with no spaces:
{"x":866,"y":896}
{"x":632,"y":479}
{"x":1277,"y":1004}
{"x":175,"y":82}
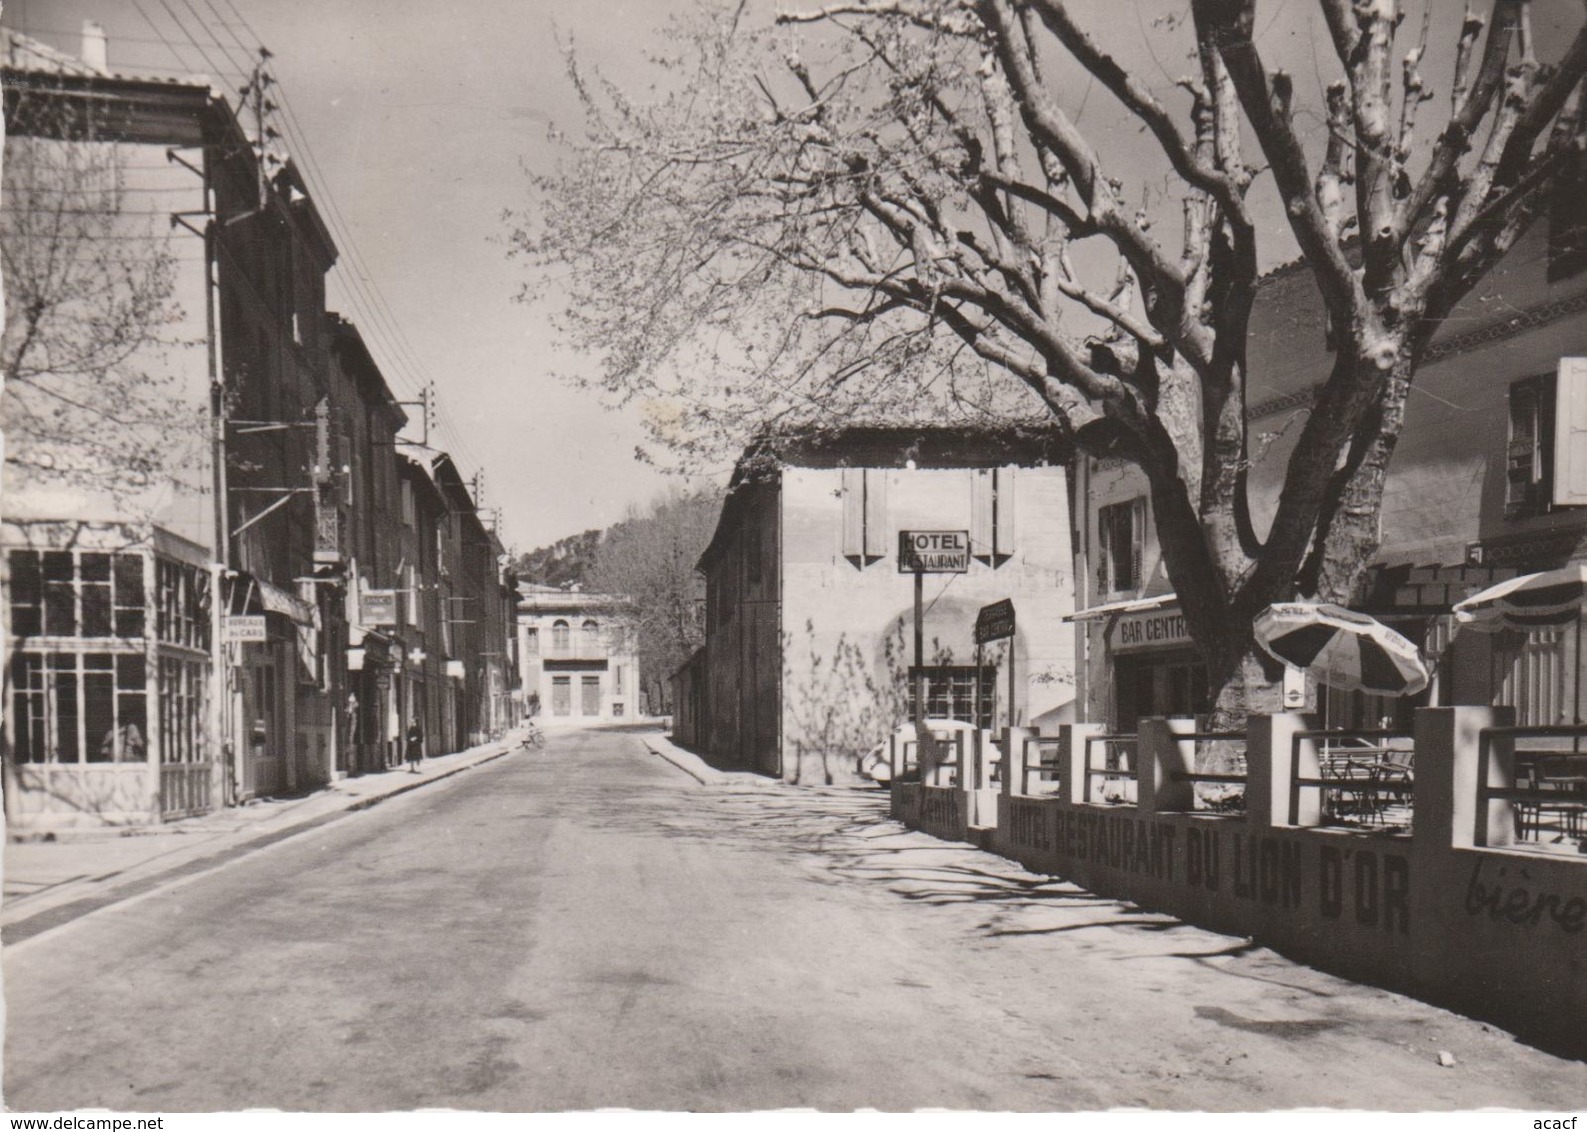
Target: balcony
{"x":599,"y":650}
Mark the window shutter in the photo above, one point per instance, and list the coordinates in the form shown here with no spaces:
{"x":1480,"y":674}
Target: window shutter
{"x":1137,"y":576}
{"x":875,"y":513}
{"x":982,"y":531}
{"x":1570,"y":433}
{"x":853,"y":513}
{"x":1003,"y":523}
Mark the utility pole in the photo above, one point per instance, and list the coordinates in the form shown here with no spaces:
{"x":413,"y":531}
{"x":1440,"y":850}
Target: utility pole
{"x":254,"y":91}
{"x":223,"y":755}
{"x":426,"y":402}
{"x":226,"y":757}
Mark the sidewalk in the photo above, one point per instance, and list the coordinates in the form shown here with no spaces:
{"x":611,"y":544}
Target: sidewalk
{"x":700,"y":770}
{"x":48,"y":883}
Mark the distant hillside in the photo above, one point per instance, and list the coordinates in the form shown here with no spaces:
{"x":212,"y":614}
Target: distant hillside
{"x":565,"y":561}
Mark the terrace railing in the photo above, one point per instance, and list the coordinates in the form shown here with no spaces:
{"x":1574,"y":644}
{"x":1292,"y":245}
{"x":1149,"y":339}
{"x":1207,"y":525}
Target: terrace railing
{"x":1110,"y":769}
{"x":1043,"y":761}
{"x":1363,"y":778}
{"x":1539,"y":776}
{"x":1222,"y":801}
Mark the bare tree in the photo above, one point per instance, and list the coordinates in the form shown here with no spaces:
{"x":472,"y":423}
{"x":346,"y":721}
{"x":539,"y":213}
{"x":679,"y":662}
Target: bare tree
{"x":92,"y":397}
{"x":883,"y":208}
{"x":651,"y":558}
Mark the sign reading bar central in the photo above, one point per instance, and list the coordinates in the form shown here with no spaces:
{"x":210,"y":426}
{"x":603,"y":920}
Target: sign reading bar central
{"x":1158,"y":628}
{"x":933,"y":552}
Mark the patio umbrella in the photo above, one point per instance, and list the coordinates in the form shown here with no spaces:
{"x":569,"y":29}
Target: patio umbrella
{"x":1532,"y":601}
{"x":1528,"y":602}
{"x":1343,"y":649}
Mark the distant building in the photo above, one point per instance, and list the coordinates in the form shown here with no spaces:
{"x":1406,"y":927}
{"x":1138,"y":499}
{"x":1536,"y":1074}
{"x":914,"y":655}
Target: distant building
{"x":808,"y":657}
{"x":578,"y":654}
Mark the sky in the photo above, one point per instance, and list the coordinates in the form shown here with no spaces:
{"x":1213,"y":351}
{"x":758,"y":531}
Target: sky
{"x":415,"y":121}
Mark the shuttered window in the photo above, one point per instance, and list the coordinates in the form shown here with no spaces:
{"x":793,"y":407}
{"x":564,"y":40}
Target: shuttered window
{"x":865,"y":534}
{"x":1529,"y":454}
{"x":1121,"y":532}
{"x":1570,"y":434}
{"x":992,"y":515}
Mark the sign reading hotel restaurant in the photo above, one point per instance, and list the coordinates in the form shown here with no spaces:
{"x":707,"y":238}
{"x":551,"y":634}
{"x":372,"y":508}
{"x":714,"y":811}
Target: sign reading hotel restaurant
{"x":995,"y":622}
{"x":1154,"y":629}
{"x":246,"y":627}
{"x":933,"y":552}
{"x":377,"y":607}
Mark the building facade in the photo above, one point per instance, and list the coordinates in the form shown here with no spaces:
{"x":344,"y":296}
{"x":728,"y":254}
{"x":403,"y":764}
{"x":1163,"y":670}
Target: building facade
{"x":366,"y":422}
{"x":281,"y":599}
{"x":1486,"y":483}
{"x":578,"y":653}
{"x":108,"y":676}
{"x":809,"y":653}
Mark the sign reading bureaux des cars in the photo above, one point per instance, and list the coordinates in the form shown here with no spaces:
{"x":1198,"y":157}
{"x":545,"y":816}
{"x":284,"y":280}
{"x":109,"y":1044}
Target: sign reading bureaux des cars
{"x":933,"y":552}
{"x":1154,"y":629}
{"x":246,"y":627}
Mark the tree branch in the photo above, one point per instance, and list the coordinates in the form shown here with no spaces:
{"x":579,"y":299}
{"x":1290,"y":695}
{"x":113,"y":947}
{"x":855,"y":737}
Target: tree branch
{"x":1228,"y":25}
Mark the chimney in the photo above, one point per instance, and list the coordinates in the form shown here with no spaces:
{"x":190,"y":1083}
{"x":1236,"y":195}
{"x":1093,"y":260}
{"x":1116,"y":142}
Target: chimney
{"x":96,"y":52}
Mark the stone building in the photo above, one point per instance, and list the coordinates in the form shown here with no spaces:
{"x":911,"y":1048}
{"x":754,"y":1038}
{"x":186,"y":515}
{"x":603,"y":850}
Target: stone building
{"x":578,"y":654}
{"x":809,"y":652}
{"x":1486,"y":483}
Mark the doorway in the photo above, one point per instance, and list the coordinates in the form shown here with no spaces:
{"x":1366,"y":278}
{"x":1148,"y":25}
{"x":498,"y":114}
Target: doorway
{"x":1157,"y":684}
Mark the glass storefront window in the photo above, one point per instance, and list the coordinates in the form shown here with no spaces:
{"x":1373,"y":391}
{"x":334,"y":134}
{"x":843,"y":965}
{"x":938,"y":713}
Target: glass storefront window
{"x":78,"y":707}
{"x":65,"y":593}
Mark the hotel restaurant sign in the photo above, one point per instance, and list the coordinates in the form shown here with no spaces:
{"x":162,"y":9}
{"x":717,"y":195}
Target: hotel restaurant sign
{"x":1151,"y":629}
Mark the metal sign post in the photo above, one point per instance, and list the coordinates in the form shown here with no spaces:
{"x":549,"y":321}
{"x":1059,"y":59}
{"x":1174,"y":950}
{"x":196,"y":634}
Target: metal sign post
{"x":920,"y":648}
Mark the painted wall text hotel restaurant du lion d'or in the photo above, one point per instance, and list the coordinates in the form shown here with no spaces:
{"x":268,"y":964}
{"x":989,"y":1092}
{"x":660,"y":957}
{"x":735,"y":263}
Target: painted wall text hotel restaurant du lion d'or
{"x":1371,"y":887}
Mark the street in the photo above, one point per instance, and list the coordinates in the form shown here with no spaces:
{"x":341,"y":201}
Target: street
{"x":586,"y":926}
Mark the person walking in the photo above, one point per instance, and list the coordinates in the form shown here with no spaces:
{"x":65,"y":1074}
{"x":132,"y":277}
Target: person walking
{"x":415,"y":748}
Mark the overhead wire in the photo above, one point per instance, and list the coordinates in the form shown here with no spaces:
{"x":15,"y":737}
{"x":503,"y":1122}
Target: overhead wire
{"x":400,"y":347}
{"x":369,"y":303}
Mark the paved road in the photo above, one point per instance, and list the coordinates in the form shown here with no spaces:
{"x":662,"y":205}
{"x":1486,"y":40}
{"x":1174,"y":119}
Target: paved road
{"x":588,"y":927}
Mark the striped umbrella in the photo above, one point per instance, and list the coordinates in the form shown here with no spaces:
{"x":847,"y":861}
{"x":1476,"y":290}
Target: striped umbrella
{"x":1343,"y":649}
{"x":1529,"y":602}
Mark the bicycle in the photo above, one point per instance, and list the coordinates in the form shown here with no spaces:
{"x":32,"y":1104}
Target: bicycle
{"x":532,"y":737}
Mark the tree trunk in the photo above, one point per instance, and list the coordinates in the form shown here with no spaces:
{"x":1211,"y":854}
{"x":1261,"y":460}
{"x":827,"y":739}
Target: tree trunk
{"x":1241,"y":680}
{"x":1350,"y":532}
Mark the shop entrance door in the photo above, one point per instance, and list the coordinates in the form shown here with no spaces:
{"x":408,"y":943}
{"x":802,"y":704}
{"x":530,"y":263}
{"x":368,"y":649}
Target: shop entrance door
{"x":561,"y":695}
{"x":591,"y":697}
{"x":1157,"y":684}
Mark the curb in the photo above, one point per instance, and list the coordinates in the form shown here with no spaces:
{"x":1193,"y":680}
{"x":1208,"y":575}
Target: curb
{"x":700,"y":770}
{"x":661,"y":751}
{"x":50,"y":918}
{"x":375,"y":800}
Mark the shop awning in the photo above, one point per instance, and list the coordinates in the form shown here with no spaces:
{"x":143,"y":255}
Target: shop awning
{"x":1134,"y":605}
{"x":276,"y":600}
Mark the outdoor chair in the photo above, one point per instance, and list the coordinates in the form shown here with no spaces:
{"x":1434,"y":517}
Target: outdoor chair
{"x":1393,"y":776}
{"x":1352,"y":774}
{"x":1562,"y":802}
